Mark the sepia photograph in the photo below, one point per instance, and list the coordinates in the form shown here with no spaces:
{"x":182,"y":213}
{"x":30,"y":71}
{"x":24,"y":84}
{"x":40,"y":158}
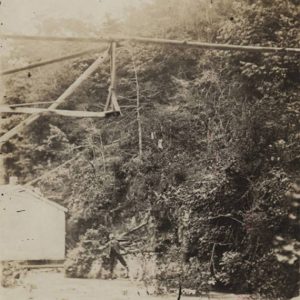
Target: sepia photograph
{"x":149,"y":149}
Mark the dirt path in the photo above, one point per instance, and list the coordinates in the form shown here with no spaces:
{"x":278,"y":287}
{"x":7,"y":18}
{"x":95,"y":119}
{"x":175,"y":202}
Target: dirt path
{"x":41,"y":285}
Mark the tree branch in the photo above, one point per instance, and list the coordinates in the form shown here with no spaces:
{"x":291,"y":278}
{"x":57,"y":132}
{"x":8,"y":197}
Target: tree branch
{"x":138,"y":115}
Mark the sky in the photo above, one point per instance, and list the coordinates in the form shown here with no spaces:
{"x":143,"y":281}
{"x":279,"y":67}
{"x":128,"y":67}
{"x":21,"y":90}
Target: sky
{"x":21,"y":16}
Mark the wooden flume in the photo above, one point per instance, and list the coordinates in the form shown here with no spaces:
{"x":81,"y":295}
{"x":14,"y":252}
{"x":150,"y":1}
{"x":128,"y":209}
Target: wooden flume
{"x":112,"y":103}
{"x":145,"y":40}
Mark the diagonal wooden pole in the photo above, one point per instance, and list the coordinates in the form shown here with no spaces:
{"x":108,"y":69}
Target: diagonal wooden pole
{"x":69,"y":91}
{"x":50,"y":61}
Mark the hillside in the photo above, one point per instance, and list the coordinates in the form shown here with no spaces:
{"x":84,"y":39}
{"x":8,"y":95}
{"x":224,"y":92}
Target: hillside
{"x":220,"y":149}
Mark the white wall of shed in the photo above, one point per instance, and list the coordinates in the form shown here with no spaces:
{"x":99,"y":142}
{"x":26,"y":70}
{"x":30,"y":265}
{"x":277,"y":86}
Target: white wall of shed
{"x":30,"y":229}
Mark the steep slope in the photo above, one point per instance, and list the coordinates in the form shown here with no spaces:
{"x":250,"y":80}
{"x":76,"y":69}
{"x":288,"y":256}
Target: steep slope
{"x":220,"y":143}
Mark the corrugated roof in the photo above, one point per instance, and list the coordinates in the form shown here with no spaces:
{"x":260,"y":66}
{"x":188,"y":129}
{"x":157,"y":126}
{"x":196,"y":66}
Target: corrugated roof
{"x":17,"y":190}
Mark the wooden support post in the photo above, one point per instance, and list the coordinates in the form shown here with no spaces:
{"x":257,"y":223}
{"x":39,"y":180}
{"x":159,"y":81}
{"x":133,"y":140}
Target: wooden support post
{"x":69,"y":91}
{"x":112,"y":101}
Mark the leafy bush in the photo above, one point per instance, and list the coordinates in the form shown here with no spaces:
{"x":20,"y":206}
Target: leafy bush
{"x":81,"y":258}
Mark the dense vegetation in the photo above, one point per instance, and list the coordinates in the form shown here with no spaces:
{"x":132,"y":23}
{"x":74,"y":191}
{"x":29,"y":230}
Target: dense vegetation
{"x":220,"y":147}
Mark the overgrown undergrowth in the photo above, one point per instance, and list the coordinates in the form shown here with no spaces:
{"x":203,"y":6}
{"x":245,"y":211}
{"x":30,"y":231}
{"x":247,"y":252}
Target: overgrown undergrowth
{"x":220,"y":134}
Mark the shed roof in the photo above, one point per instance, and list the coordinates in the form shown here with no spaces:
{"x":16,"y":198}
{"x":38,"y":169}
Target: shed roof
{"x":19,"y":190}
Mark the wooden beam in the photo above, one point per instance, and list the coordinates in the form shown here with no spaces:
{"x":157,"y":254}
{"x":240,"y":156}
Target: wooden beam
{"x":67,"y":113}
{"x":55,"y":38}
{"x":108,"y":99}
{"x":69,"y":91}
{"x":55,"y":169}
{"x":30,"y":103}
{"x":51,"y":61}
{"x":61,"y":266}
{"x":144,"y":40}
{"x":114,"y":100}
{"x":76,"y":157}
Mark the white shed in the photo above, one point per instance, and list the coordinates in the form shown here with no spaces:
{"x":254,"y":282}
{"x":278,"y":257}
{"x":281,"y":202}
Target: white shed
{"x":31,"y":226}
